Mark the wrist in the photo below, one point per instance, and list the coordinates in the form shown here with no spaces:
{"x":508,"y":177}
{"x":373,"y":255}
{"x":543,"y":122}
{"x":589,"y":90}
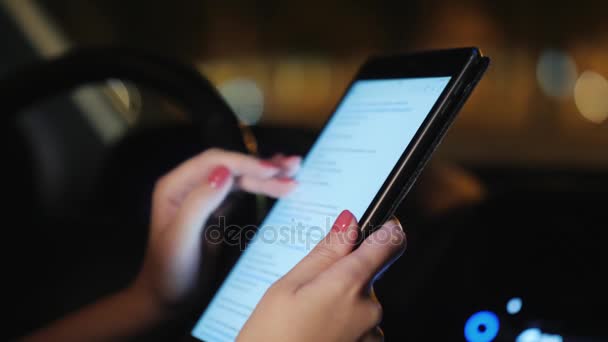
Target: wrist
{"x":145,"y":303}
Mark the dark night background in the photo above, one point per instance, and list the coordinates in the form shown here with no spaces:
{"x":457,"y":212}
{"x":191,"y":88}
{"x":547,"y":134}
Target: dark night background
{"x":512,"y":205}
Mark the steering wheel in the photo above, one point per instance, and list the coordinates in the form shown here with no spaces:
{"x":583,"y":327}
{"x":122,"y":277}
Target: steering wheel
{"x":211,"y":124}
{"x":211,"y":118}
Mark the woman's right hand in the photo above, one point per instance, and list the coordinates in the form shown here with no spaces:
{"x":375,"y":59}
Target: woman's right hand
{"x":328,"y":296}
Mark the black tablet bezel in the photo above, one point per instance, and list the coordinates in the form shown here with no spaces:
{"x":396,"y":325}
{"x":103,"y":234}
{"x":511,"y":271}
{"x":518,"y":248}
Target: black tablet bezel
{"x":465,"y":66}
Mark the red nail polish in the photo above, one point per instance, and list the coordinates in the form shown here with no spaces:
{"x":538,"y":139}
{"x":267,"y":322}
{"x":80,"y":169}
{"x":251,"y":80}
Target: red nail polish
{"x":218,"y":177}
{"x":286,"y":180}
{"x":343,"y":221}
{"x":266,"y":163}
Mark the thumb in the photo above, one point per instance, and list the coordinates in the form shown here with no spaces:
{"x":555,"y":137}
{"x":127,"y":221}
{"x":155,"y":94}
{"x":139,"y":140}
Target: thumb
{"x":201,"y":202}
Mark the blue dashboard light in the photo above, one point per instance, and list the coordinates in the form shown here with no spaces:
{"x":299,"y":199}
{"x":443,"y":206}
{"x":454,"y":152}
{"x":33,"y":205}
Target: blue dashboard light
{"x":482,"y":326}
{"x":514,"y":305}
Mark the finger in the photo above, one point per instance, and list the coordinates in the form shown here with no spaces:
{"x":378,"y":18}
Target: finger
{"x":172,"y":189}
{"x":374,"y":335}
{"x":336,"y":244}
{"x":238,"y":163}
{"x":181,"y":180}
{"x":200,"y":203}
{"x":289,"y":164}
{"x":274,"y":187}
{"x":281,"y":183}
{"x":376,"y":253}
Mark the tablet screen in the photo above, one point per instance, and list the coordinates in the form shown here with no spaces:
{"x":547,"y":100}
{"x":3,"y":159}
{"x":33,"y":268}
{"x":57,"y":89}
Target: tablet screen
{"x":346,"y":167}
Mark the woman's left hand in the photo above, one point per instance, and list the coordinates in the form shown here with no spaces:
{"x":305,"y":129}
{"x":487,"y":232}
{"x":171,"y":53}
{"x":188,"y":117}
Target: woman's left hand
{"x":182,"y":202}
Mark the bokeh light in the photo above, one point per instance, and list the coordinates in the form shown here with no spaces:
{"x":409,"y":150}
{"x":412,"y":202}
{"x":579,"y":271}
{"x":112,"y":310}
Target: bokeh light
{"x":482,"y":326}
{"x":591,"y":96}
{"x":556,"y":73}
{"x":126,"y":98}
{"x":514,"y":305}
{"x":536,"y":335}
{"x":305,"y":82}
{"x":245,"y":98}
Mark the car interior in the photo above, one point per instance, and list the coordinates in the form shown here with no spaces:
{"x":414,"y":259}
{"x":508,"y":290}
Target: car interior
{"x":507,"y":225}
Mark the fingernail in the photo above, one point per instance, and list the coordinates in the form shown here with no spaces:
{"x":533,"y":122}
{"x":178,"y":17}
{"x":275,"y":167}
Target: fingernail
{"x":397,"y":222}
{"x":402,"y":237}
{"x":286,"y":180}
{"x":343,"y":221}
{"x":266,"y":163}
{"x":218,"y":177}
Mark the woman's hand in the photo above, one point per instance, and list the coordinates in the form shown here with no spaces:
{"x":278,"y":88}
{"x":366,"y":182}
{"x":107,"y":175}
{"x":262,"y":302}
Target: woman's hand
{"x":182,"y":202}
{"x":327,"y":296}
